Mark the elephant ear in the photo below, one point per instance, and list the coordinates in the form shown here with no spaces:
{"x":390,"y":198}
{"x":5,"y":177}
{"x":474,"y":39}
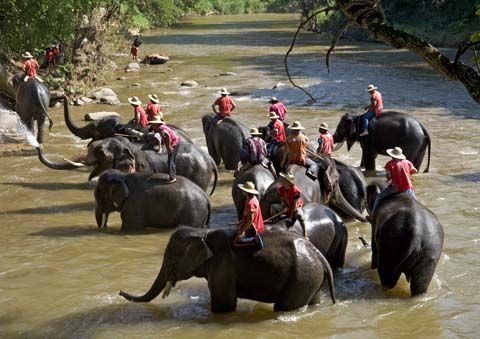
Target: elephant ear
{"x":196,"y":254}
{"x":126,"y":162}
{"x":118,"y":192}
{"x":373,"y":190}
{"x":352,"y":132}
{"x":330,"y":179}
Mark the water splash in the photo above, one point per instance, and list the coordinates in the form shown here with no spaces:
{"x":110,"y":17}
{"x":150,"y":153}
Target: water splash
{"x":12,"y":130}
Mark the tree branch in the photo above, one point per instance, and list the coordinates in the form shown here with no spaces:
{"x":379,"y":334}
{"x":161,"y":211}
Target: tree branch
{"x":337,"y":36}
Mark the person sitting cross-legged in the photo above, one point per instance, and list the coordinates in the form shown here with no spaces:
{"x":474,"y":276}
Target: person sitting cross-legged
{"x":325,"y":140}
{"x":277,"y":133}
{"x":296,"y":151}
{"x":254,"y":152}
{"x":373,"y":110}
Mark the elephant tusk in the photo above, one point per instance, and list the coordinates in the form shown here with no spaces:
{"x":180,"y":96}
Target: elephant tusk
{"x":104,"y":220}
{"x":338,"y":146}
{"x":167,"y":289}
{"x":78,"y":164}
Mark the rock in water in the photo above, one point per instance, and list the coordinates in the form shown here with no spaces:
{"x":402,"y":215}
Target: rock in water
{"x":227,"y":74}
{"x":132,"y":67}
{"x":99,"y":115}
{"x":110,"y":100}
{"x":189,"y":83}
{"x":105,"y":96}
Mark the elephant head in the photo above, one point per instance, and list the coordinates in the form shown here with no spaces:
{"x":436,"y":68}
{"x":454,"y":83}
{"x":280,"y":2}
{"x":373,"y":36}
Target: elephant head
{"x":206,"y":122}
{"x":110,"y":193}
{"x":185,"y":256}
{"x":347,"y":130}
{"x":67,"y":165}
{"x":373,"y":190}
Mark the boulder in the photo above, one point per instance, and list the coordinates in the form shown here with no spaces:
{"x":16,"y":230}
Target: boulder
{"x":110,"y":66}
{"x":132,"y":67}
{"x":110,"y":100}
{"x":99,"y":115}
{"x":122,"y":78}
{"x":102,"y":92}
{"x":189,"y":83}
{"x":10,"y":127}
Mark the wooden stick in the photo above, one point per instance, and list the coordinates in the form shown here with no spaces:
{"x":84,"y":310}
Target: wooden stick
{"x":315,"y":154}
{"x":125,"y":135}
{"x":275,"y":215}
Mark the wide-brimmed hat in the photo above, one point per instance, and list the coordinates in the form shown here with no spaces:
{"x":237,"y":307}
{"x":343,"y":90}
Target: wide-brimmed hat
{"x":156,"y":120}
{"x":254,"y":131}
{"x":134,"y":101}
{"x":154,"y":98}
{"x":396,"y":153}
{"x":273,"y":99}
{"x":224,"y":91}
{"x":371,"y":88}
{"x":288,"y":176}
{"x":323,"y":126}
{"x":273,"y":115}
{"x":27,"y":55}
{"x":248,"y":187}
{"x":296,"y":126}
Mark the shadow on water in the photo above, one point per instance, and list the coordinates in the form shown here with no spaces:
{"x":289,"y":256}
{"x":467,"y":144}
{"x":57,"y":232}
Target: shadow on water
{"x":92,"y":229}
{"x":82,"y":206}
{"x":243,"y":25}
{"x":470,"y":177}
{"x":52,"y":186}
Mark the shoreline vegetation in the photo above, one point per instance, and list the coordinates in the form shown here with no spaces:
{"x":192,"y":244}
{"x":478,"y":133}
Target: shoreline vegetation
{"x":96,"y":29}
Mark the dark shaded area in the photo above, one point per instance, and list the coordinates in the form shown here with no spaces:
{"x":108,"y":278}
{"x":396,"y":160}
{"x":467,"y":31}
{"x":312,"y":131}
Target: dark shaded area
{"x":82,"y":206}
{"x":93,"y":230}
{"x":52,"y":186}
{"x":470,"y":177}
{"x":243,"y":25}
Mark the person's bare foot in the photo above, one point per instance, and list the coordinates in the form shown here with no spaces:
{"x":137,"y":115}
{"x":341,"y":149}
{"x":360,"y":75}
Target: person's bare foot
{"x":172,"y":180}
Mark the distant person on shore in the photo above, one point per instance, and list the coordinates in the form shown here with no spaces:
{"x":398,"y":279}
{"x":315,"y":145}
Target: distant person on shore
{"x":135,"y":47}
{"x":139,"y":120}
{"x":374,"y":110}
{"x":325,"y":140}
{"x":30,"y":67}
{"x":225,"y":104}
{"x":278,"y":107}
{"x":153,"y":107}
{"x":49,"y":58}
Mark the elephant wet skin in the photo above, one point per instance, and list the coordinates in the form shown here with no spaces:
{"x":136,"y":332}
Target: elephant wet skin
{"x":406,"y":238}
{"x":149,"y":201}
{"x":289,"y":271}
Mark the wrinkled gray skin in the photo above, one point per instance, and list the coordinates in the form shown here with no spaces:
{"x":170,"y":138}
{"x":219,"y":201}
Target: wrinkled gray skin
{"x":148,"y":201}
{"x":325,"y":230}
{"x":224,"y":140}
{"x":119,"y":153}
{"x":260,"y":176}
{"x":389,"y":130}
{"x":406,"y":238}
{"x":32,"y":101}
{"x":289,"y":271}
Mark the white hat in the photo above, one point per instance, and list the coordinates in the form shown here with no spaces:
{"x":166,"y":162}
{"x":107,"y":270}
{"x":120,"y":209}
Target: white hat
{"x":248,"y":187}
{"x":296,"y":126}
{"x":288,"y":176}
{"x":154,"y":98}
{"x":27,"y":55}
{"x":273,"y":115}
{"x":134,"y":101}
{"x":156,"y":120}
{"x":254,"y":131}
{"x":323,"y":126}
{"x":273,"y":99}
{"x":371,"y":88}
{"x":396,"y":153}
{"x":224,"y":91}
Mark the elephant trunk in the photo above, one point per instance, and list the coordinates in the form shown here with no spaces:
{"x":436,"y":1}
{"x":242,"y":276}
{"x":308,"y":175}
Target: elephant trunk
{"x":160,"y":284}
{"x":81,"y":132}
{"x":102,"y":217}
{"x":67,"y":165}
{"x":343,"y":204}
{"x":338,"y":146}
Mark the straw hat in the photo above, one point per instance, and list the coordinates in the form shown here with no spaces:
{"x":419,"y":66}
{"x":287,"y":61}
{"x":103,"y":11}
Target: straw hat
{"x":273,"y":115}
{"x":371,"y":88}
{"x":248,"y":187}
{"x":27,"y":55}
{"x":273,"y":99}
{"x":396,"y":153}
{"x":288,"y":176}
{"x":323,"y":126}
{"x":154,"y":98}
{"x":156,"y":120}
{"x":254,"y":131}
{"x":134,"y":101}
{"x":296,"y":126}
{"x":224,"y":91}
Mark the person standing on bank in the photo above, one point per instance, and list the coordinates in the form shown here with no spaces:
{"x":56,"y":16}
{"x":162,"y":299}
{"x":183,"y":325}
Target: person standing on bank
{"x":153,"y":107}
{"x":225,"y":104}
{"x":278,"y":107}
{"x":374,"y":110}
{"x":135,"y":47}
{"x":325,"y":140}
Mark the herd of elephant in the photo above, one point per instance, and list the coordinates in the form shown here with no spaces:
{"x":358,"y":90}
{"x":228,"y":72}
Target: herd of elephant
{"x":290,"y":270}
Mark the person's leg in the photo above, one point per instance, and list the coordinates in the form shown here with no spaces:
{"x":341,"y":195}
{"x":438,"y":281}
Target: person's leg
{"x":311,"y":169}
{"x":172,"y":164}
{"x":411,"y":193}
{"x":365,"y":121}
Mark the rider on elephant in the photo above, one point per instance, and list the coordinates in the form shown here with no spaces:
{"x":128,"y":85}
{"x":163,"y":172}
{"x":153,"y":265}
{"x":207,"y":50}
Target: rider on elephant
{"x":166,"y":136}
{"x":30,"y":66}
{"x":225,"y":107}
{"x":153,"y":107}
{"x":254,"y":152}
{"x":398,"y":170}
{"x":277,"y":133}
{"x":139,"y":120}
{"x":325,"y":140}
{"x":374,"y":110}
{"x":251,"y":225}
{"x":278,"y":108}
{"x":296,"y":151}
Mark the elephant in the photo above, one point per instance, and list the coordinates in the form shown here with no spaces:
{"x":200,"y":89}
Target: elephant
{"x":147,"y":201}
{"x":119,"y":153}
{"x":106,"y":127}
{"x":406,"y":238}
{"x":224,"y":140}
{"x":390,"y":129}
{"x":288,"y":271}
{"x":262,"y":178}
{"x":325,"y":230}
{"x":32,"y":102}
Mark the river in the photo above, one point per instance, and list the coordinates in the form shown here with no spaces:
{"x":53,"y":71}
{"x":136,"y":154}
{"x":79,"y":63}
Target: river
{"x":60,"y":276}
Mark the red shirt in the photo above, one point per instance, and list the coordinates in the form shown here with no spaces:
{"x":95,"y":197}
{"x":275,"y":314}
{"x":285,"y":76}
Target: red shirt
{"x":153,"y":110}
{"x":50,"y":56}
{"x":225,"y":105}
{"x":134,"y":51}
{"x":376,"y":103}
{"x":138,"y":110}
{"x":400,"y":171}
{"x":168,"y":133}
{"x":288,"y":198}
{"x":280,"y":109}
{"x":326,"y":146}
{"x":31,"y":66}
{"x":278,"y":130}
{"x":253,"y":205}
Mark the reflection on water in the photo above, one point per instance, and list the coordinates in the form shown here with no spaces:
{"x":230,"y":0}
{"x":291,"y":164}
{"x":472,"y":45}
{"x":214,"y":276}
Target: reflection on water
{"x":59,"y":276}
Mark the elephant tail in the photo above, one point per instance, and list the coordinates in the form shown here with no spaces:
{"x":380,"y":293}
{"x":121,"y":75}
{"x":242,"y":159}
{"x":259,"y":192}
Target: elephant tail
{"x":215,"y":174}
{"x":427,"y":136}
{"x":329,"y":273}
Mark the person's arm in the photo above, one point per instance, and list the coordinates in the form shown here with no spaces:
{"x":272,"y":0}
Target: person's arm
{"x":413,"y":170}
{"x":233,"y":106}
{"x":137,"y":117}
{"x":248,"y":222}
{"x":215,"y":103}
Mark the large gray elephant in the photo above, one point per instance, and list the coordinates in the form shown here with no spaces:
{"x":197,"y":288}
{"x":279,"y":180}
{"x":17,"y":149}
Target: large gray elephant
{"x":32,"y":101}
{"x":289,"y":271}
{"x":406,"y":238}
{"x":119,"y":153}
{"x":148,"y":201}
{"x":224,"y":140}
{"x":262,"y":178}
{"x":390,"y":129}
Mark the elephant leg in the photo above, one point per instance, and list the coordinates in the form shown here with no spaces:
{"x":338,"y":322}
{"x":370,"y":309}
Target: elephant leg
{"x":40,"y":129}
{"x":222,"y":284}
{"x":387,"y":272}
{"x":374,"y":264}
{"x":422,"y":276}
{"x":295,"y":294}
{"x":369,"y":160}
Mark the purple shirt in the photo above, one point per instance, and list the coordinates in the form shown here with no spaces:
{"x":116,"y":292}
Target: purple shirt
{"x":280,"y":109}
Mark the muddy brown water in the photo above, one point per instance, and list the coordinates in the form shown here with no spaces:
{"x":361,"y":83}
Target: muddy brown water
{"x":60,"y":276}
